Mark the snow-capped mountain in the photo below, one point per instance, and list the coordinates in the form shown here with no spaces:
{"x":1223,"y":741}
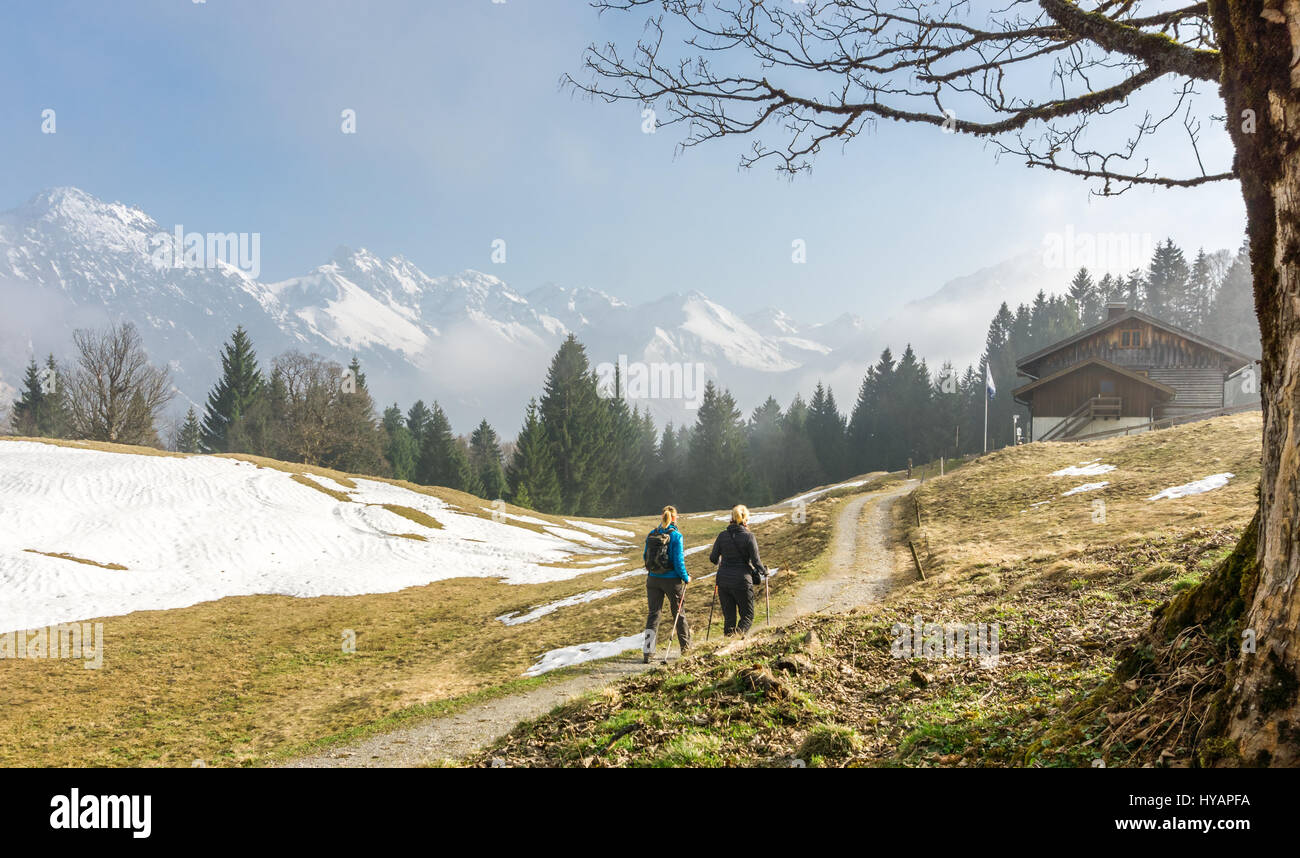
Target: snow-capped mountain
{"x":468,"y":340}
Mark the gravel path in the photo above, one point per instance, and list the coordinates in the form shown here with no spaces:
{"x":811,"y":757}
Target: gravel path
{"x":862,"y":564}
{"x":862,"y":570}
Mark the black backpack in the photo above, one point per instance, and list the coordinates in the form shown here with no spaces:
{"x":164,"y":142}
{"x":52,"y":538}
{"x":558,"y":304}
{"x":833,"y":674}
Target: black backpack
{"x":656,"y":552}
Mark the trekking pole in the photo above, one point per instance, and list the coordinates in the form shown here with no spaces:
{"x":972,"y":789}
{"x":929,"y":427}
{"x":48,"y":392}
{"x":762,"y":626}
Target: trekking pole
{"x":712,"y":602}
{"x":673,"y":630}
{"x":767,"y":598}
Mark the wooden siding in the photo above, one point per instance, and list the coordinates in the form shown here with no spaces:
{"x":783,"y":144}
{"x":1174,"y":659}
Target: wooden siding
{"x":1199,"y":389}
{"x":1160,"y":348}
{"x":1062,"y":396}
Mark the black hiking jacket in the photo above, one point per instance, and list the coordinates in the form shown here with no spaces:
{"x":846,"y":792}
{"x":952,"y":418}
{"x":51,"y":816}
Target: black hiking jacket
{"x":737,"y":548}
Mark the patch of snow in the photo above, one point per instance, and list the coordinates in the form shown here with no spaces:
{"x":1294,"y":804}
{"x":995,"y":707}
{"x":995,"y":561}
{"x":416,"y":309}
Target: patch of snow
{"x":578,"y":653}
{"x":1086,"y":487}
{"x":201,"y":528}
{"x":526,"y":519}
{"x":600,"y":529}
{"x":515,"y":618}
{"x":628,"y":574}
{"x":1086,"y":469}
{"x":1196,"y":487}
{"x":819,"y":492}
{"x":581,"y":538}
{"x":754,"y":517}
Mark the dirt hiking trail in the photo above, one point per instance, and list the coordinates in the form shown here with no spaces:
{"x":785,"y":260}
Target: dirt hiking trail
{"x":863,"y":567}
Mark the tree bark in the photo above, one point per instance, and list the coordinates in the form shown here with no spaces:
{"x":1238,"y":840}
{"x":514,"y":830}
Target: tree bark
{"x":1261,"y":89}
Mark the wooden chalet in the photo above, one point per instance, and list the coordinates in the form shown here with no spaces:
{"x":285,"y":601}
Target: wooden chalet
{"x":1130,"y":370}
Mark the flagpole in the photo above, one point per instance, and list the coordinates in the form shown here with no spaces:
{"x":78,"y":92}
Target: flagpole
{"x":986,"y":411}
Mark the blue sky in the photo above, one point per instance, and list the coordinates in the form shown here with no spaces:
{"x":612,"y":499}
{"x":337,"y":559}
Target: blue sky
{"x":225,"y":116}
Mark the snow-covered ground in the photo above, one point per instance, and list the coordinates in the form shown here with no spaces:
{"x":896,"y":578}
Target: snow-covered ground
{"x":194,"y":529}
{"x":1196,"y":487}
{"x":578,"y":653}
{"x":804,"y":498}
{"x":515,"y":618}
{"x":602,"y":530}
{"x":754,"y":517}
{"x":1084,"y":469}
{"x":1086,"y":487}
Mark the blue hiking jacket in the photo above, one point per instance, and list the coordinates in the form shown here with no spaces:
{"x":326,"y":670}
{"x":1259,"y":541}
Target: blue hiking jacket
{"x":676,"y":554}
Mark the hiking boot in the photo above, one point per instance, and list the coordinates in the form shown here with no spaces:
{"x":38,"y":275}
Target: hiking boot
{"x":645,"y":658}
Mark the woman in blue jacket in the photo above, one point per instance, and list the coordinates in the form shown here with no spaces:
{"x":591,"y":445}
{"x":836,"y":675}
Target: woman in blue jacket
{"x":666,"y":578}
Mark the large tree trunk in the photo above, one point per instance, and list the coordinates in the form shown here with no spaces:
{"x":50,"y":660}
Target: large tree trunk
{"x":1262,"y":93}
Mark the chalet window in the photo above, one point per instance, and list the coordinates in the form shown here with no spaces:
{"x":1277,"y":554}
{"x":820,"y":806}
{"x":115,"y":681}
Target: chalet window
{"x":1107,"y":387}
{"x":1130,"y":339}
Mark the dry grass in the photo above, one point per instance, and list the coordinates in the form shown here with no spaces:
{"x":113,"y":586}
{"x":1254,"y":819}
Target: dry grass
{"x":65,"y":556}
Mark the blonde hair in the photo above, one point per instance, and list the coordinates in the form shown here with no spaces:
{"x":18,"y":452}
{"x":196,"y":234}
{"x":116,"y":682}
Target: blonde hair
{"x":670,"y":512}
{"x":740,"y":514}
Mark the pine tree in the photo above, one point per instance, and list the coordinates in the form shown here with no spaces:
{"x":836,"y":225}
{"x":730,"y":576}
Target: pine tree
{"x":416,"y":419}
{"x":41,"y":409}
{"x":401,"y":451}
{"x":1166,"y":286}
{"x":718,"y":475}
{"x":235,"y":392}
{"x":826,"y":430}
{"x":190,"y":437}
{"x":1083,"y":296}
{"x":764,"y":437}
{"x":25,"y":417}
{"x":577,"y":425}
{"x":531,"y":475}
{"x":438,"y":464}
{"x":485,"y":458}
{"x":1200,"y":292}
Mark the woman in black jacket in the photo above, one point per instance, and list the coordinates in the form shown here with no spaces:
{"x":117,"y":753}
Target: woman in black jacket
{"x":738,"y":573}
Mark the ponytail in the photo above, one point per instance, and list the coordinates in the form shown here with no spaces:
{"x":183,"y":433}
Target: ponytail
{"x":670,"y":512}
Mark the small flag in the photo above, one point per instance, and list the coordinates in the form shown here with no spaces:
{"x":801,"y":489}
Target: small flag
{"x":988,"y":382}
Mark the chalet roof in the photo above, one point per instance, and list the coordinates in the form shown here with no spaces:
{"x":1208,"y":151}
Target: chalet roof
{"x":1105,"y":364}
{"x":1236,"y":356}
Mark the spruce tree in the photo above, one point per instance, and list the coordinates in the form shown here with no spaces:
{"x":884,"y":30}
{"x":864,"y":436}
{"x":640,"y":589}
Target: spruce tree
{"x":189,"y":439}
{"x":25,"y":416}
{"x":1083,"y":296}
{"x":42,"y":406}
{"x":416,"y":419}
{"x":718,"y":473}
{"x":577,"y":425}
{"x":531,"y":475}
{"x":1166,"y":286}
{"x":400,"y":450}
{"x":235,"y":392}
{"x":485,"y":458}
{"x":826,"y":429}
{"x":437,"y":465}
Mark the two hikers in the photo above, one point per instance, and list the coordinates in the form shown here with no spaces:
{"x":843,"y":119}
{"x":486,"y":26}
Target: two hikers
{"x":740,"y":570}
{"x":666,"y":579}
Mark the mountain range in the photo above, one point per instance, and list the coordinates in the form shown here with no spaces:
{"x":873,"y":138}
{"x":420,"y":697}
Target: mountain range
{"x":470,"y":341}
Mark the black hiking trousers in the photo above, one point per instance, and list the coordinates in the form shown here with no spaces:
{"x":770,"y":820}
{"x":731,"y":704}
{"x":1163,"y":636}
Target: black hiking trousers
{"x":657,"y":590}
{"x":736,"y":599}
